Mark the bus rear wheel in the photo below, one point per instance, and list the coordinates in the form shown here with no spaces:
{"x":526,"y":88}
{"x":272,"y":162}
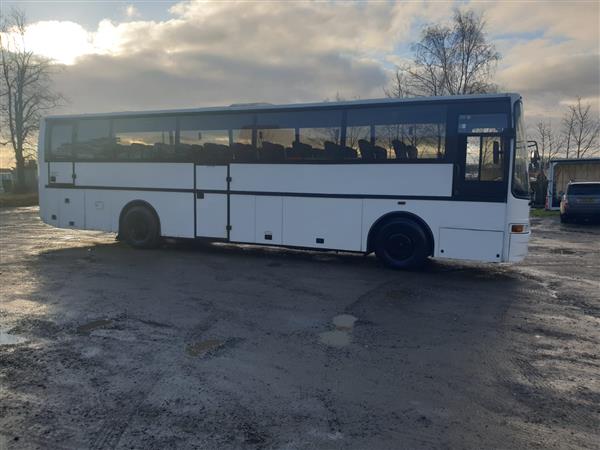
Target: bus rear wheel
{"x":140,"y":227}
{"x":402,"y":244}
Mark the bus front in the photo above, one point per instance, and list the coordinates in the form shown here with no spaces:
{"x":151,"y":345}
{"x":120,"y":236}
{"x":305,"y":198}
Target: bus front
{"x":517,"y":204}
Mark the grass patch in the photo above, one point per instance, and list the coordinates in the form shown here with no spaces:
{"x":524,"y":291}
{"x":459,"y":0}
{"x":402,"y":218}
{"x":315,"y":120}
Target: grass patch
{"x":28,"y":199}
{"x":543,"y":213}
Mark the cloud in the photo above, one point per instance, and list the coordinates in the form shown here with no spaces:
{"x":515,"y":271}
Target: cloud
{"x":551,"y":53}
{"x":131,"y":11}
{"x":220,"y":53}
{"x":212,"y":53}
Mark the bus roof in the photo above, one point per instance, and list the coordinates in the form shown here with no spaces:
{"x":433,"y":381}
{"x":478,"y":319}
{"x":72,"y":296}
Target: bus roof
{"x":266,"y":107}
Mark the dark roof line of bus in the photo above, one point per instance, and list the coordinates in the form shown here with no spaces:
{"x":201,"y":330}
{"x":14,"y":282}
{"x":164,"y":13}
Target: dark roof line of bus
{"x":575,"y":160}
{"x":259,"y":106}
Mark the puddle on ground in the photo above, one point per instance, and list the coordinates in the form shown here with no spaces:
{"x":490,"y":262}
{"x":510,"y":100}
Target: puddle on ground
{"x":91,"y":352}
{"x":203,"y":347}
{"x":91,"y":326}
{"x":24,"y":306}
{"x":344,"y":322}
{"x":341,"y":336}
{"x":335,"y":338}
{"x":119,"y":335}
{"x":10,"y":339}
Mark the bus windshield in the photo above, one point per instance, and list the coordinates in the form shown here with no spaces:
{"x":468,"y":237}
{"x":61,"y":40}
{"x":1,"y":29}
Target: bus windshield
{"x":520,"y":178}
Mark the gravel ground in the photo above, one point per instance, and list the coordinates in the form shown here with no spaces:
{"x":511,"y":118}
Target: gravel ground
{"x":219,"y":347}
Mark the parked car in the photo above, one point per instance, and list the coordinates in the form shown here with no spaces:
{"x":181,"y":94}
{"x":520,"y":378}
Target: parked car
{"x":582,"y":200}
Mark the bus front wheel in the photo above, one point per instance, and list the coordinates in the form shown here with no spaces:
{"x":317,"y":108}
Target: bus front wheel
{"x":402,"y":244}
{"x":141,"y":227}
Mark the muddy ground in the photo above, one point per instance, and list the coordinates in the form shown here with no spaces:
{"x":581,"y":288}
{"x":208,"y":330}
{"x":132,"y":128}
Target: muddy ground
{"x":225,"y":347}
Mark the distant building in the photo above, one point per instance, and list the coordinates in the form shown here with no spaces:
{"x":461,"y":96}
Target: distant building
{"x":6,"y":180}
{"x":8,"y":177}
{"x":563,"y":171}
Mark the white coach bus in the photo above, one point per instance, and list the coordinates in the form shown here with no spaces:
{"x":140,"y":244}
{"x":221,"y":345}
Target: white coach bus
{"x":405,"y":178}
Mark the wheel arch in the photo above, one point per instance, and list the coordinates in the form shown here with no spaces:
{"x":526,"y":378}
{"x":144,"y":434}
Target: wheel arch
{"x":394,"y":215}
{"x":138,"y":202}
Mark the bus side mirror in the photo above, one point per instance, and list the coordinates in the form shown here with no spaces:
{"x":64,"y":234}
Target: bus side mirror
{"x":496,"y":152}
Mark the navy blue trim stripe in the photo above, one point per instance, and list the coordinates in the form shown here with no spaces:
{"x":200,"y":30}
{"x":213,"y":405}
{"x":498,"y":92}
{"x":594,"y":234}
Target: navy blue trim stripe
{"x":279,"y":194}
{"x":116,"y":188}
{"x":323,"y":195}
{"x":258,"y":193}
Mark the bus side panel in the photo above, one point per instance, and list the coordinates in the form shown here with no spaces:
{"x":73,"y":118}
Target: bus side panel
{"x":269,"y":220}
{"x":438,"y":214}
{"x":211,"y":216}
{"x":243,"y":222}
{"x":61,"y":172}
{"x":99,"y":211}
{"x":71,"y":208}
{"x":322,"y":222}
{"x":49,"y":205}
{"x":476,"y":245}
{"x":350,"y":179}
{"x":211,"y":209}
{"x":211,"y":177}
{"x":175,"y":210}
{"x":136,"y":175}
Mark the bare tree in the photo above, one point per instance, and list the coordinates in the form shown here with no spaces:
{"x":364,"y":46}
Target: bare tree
{"x":449,"y":60}
{"x":583,"y":129}
{"x":550,"y":141}
{"x":399,"y":87}
{"x":568,"y":126}
{"x":25,"y":90}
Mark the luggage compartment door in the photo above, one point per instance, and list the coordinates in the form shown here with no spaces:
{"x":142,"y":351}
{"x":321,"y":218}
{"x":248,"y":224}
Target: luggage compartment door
{"x":71,"y":209}
{"x":479,"y":245}
{"x":211,"y":207}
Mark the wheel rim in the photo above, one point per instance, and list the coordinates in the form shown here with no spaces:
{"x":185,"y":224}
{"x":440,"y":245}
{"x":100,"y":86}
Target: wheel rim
{"x":399,"y":246}
{"x":138,"y":228}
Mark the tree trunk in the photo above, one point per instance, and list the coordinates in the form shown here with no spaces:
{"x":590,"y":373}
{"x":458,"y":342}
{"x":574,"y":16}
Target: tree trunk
{"x":19,"y":172}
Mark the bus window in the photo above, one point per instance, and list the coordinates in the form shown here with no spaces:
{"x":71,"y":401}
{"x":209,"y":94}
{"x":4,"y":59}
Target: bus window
{"x":413,"y":141}
{"x":202,"y":137}
{"x":272,"y":142}
{"x":144,"y":139}
{"x":204,"y":146}
{"x":298,"y":136}
{"x":325,"y":142}
{"x":399,"y":133}
{"x":61,"y":138}
{"x":484,"y":159}
{"x":93,"y":140}
{"x":241,"y":145}
{"x":242,"y":135}
{"x":359,"y":139}
{"x":520,"y":179}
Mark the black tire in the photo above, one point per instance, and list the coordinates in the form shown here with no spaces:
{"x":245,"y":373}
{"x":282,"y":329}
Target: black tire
{"x":402,"y":244}
{"x":140,"y":227}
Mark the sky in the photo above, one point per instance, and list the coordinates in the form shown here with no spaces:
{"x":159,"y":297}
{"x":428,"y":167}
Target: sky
{"x":138,"y":55}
